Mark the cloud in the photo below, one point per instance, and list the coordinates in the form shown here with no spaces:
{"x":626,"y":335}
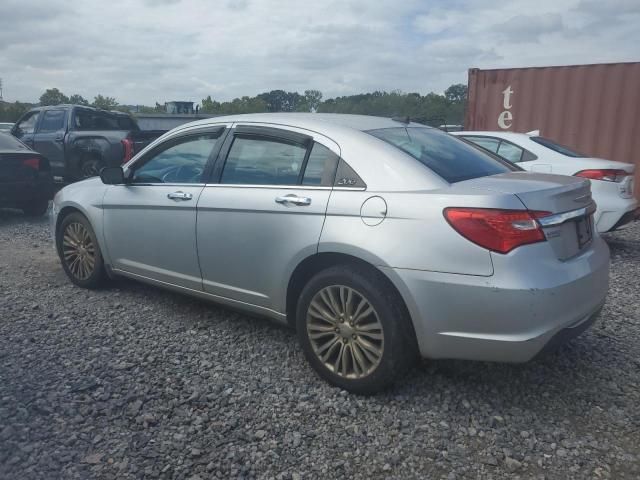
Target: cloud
{"x":145,"y":51}
{"x":529,"y":28}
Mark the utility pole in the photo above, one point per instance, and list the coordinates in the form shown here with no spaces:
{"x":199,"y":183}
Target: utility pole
{"x":0,"y":89}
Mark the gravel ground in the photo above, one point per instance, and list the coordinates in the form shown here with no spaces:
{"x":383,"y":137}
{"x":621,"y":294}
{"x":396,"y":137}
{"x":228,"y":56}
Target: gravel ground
{"x":135,"y":382}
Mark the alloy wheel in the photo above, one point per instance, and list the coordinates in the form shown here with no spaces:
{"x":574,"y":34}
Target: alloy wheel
{"x":78,"y":250}
{"x":345,"y":332}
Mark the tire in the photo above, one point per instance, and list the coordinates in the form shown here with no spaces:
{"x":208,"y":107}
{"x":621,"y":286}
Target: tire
{"x":79,"y":252}
{"x":386,"y":329}
{"x":36,"y":208}
{"x":90,"y":166}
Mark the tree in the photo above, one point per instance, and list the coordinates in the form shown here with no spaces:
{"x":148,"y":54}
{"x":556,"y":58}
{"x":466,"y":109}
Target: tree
{"x":311,"y":101}
{"x":105,"y":103}
{"x":10,"y":112}
{"x":53,"y":96}
{"x":281,"y":101}
{"x":76,"y":99}
{"x":456,"y":93}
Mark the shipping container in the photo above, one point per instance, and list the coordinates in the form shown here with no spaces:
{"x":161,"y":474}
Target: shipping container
{"x":595,"y":109}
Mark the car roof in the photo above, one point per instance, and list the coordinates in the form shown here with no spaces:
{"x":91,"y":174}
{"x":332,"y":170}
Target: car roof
{"x":313,"y":121}
{"x":84,"y":107}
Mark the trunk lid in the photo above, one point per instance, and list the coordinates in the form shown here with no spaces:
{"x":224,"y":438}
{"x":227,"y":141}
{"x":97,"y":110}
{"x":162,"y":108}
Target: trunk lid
{"x":569,"y":228}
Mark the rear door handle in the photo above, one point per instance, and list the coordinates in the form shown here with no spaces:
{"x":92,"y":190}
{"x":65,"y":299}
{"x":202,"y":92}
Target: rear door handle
{"x":59,"y":139}
{"x":292,"y":199}
{"x":179,"y":196}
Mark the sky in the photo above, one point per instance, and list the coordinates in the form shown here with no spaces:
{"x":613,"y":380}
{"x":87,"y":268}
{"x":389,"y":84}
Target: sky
{"x":143,"y":51}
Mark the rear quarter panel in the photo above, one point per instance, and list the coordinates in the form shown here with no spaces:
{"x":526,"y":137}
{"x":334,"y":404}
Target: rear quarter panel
{"x":414,"y":234}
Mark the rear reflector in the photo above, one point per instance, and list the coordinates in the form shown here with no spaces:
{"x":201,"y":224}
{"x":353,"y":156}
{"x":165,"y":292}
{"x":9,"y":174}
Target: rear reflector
{"x":127,"y":148}
{"x":606,"y":174}
{"x":497,"y":230}
{"x":32,"y":163}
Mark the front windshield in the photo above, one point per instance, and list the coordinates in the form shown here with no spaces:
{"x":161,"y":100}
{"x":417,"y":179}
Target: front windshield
{"x":556,"y":147}
{"x":448,"y":156}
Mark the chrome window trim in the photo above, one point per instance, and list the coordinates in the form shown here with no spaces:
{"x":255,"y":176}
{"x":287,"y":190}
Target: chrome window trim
{"x":560,"y":218}
{"x":288,"y":187}
{"x":162,"y":184}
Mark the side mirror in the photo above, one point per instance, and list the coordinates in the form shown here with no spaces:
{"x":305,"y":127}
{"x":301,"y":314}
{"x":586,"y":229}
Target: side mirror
{"x":112,"y":176}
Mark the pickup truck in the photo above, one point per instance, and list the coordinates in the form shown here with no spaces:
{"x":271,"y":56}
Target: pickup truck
{"x":79,"y":141}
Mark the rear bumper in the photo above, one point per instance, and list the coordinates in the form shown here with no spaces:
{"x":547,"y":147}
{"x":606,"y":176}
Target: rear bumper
{"x":510,"y":316}
{"x":628,"y":217}
{"x":612,"y":209}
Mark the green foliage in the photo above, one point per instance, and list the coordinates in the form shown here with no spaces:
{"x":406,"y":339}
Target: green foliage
{"x":105,"y":103}
{"x":53,"y":96}
{"x":10,"y":112}
{"x":456,"y":93}
{"x":235,"y":106}
{"x":76,"y":99}
{"x":431,"y":109}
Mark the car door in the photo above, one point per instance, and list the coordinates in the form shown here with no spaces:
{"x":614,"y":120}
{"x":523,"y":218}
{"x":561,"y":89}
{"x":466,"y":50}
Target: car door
{"x":150,"y":222}
{"x":49,"y":138}
{"x":26,"y":127}
{"x":263,"y":212}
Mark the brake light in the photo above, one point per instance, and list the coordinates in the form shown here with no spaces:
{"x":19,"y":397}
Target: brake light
{"x":32,"y":163}
{"x":606,"y":174}
{"x":127,"y":148}
{"x":497,"y":230}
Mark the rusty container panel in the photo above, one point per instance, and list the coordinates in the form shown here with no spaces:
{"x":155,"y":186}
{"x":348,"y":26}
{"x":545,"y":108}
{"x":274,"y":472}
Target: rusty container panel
{"x":594,"y":109}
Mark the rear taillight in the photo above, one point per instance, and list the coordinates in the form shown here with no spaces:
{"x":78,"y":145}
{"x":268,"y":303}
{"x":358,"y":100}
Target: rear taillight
{"x":497,"y":230}
{"x":606,"y":174}
{"x":127,"y":148}
{"x":32,"y":163}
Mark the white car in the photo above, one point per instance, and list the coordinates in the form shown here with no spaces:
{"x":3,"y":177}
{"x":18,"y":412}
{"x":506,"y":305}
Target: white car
{"x":611,"y":182}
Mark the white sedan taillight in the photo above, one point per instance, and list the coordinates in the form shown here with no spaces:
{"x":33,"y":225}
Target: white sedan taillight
{"x":606,"y":174}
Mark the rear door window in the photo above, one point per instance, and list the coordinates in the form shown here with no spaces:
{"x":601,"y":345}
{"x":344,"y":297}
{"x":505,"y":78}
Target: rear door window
{"x":490,"y":144}
{"x":511,"y":152}
{"x":263,"y":161}
{"x":447,"y":156}
{"x":52,"y":121}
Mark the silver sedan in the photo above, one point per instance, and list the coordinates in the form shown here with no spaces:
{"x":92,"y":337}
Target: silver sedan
{"x":378,"y":240}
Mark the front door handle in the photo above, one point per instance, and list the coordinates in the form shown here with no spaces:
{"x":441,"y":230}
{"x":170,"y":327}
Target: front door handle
{"x":179,"y":196}
{"x":293,"y":199}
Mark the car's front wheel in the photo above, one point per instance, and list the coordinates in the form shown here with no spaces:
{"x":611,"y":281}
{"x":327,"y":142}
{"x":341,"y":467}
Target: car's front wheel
{"x":354,"y":330}
{"x":79,"y":251}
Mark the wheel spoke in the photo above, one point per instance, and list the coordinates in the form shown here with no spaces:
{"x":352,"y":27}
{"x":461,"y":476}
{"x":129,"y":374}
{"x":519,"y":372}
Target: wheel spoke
{"x":368,"y":310}
{"x":321,"y":313}
{"x":369,"y":347}
{"x":373,"y":336}
{"x":334,"y":304}
{"x":358,"y":356}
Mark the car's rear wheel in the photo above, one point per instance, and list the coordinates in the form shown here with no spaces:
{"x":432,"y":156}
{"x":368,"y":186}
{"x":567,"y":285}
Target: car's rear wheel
{"x":354,"y":329}
{"x":91,"y":166}
{"x":79,"y":251}
{"x":36,"y":208}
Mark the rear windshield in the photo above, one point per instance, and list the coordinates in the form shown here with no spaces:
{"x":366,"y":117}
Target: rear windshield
{"x":556,"y":147}
{"x":451,"y":158}
{"x":9,"y":142}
